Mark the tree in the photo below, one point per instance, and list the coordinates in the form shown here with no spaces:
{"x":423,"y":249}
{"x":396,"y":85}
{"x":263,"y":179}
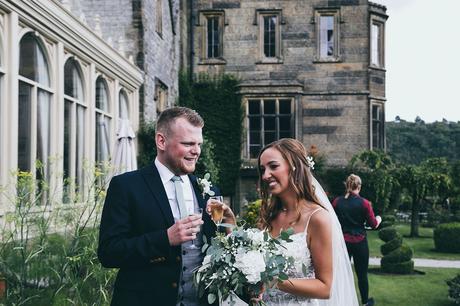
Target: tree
{"x":427,"y":182}
{"x":375,"y":168}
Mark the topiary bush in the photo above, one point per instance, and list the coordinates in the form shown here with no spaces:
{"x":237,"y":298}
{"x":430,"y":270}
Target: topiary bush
{"x":397,"y":257}
{"x":454,"y":289}
{"x":387,"y":220}
{"x":447,"y":237}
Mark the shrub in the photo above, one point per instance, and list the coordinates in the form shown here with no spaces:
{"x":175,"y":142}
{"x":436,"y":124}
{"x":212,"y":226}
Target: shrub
{"x":402,"y":254}
{"x":454,"y":289}
{"x":388,"y":233}
{"x":251,"y":213}
{"x":447,"y":237}
{"x":397,"y":257}
{"x":406,"y":267}
{"x":391,"y":245}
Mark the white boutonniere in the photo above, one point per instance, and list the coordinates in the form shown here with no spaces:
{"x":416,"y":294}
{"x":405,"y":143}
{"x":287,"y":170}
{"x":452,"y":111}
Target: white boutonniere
{"x":205,"y":185}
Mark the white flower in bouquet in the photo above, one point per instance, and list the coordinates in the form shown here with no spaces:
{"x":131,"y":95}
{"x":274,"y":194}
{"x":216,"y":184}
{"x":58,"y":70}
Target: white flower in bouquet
{"x":243,"y":263}
{"x":251,"y":263}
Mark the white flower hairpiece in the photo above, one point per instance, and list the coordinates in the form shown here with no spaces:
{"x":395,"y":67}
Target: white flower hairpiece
{"x":310,"y":162}
{"x":205,"y":185}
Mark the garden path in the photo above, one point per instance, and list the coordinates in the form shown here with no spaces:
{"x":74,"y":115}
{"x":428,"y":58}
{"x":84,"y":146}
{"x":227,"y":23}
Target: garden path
{"x":423,"y":262}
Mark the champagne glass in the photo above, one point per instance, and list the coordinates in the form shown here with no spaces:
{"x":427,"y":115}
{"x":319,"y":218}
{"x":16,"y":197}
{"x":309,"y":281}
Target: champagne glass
{"x":216,"y":206}
{"x":191,"y":213}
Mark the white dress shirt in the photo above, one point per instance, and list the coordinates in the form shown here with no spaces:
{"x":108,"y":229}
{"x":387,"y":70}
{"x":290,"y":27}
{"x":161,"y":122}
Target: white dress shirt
{"x":189,"y":196}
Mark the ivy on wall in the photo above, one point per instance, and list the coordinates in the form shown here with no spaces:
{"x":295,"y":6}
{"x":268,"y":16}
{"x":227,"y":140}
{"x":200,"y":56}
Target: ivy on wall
{"x":217,"y":100}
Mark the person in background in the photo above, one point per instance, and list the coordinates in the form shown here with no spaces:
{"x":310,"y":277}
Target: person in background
{"x":354,"y":213}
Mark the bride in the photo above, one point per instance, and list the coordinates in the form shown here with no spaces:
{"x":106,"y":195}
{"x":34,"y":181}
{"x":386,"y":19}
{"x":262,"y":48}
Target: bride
{"x":292,"y":198}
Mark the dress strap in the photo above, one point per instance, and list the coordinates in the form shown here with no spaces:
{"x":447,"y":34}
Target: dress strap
{"x":308,"y":221}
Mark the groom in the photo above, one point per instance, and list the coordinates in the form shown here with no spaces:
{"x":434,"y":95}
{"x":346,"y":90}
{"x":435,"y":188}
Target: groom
{"x":146,"y":226}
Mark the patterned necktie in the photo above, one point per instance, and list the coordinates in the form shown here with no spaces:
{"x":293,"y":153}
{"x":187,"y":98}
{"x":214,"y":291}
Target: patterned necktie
{"x":179,"y":196}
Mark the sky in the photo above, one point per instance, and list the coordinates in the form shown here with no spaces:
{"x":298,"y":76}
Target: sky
{"x":422,"y":59}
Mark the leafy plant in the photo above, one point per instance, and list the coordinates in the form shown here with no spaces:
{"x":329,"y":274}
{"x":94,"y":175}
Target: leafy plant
{"x":48,"y":250}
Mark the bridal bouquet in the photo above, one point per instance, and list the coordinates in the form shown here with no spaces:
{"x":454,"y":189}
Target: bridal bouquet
{"x":241,"y":263}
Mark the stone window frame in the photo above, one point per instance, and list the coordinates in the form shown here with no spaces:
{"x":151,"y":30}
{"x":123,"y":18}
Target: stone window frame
{"x":380,"y":24}
{"x":262,"y":115}
{"x":377,"y":125}
{"x":336,"y":14}
{"x":159,"y":17}
{"x":204,"y":15}
{"x":161,"y":96}
{"x":258,"y":21}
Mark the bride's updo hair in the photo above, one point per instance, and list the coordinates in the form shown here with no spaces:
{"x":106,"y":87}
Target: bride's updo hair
{"x":300,"y":180}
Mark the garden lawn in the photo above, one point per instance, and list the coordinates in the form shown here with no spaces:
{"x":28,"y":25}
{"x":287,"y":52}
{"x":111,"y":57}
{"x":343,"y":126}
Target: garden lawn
{"x":411,"y":290}
{"x":422,"y":246}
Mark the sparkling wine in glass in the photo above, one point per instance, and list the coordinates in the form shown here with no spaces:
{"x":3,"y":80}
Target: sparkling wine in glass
{"x":200,"y":212}
{"x":216,"y":206}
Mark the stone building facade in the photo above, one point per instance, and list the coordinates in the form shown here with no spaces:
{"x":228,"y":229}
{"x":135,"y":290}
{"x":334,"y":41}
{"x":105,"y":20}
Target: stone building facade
{"x":313,"y":70}
{"x":147,"y":33}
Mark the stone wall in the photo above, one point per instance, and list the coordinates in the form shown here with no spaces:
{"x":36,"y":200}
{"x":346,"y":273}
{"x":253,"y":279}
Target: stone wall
{"x":129,"y":26}
{"x":332,"y":97}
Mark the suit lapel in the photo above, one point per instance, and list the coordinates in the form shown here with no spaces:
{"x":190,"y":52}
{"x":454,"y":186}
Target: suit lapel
{"x":196,"y":189}
{"x":153,"y":180}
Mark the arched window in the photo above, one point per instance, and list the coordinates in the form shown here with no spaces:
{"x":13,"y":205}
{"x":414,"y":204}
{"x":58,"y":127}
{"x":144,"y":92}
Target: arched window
{"x":74,"y":128}
{"x":34,"y":106}
{"x":103,"y":119}
{"x":123,"y":108}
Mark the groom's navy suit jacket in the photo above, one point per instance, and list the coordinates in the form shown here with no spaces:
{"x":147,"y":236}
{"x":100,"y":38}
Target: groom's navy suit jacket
{"x":133,"y":237}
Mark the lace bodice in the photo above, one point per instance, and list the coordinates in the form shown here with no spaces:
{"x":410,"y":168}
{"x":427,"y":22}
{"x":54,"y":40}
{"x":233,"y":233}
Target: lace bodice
{"x":298,"y":249}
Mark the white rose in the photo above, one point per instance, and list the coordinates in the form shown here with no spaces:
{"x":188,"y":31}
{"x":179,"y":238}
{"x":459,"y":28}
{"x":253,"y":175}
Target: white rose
{"x":256,"y":236}
{"x":251,"y":263}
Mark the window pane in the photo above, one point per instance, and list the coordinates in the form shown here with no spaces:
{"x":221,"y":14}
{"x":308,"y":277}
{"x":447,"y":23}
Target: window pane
{"x":73,"y":85}
{"x":102,"y":138}
{"x":375,"y":112}
{"x":254,"y":137}
{"x":24,"y":127}
{"x":254,"y":151}
{"x":123,"y":106}
{"x":67,"y":137}
{"x":269,"y":107}
{"x":270,"y":124}
{"x":32,"y":61}
{"x":80,"y":147}
{"x":254,"y":124}
{"x":285,"y":106}
{"x":101,"y":95}
{"x":285,"y":123}
{"x":375,"y":45}
{"x":269,"y":35}
{"x":269,"y":137}
{"x":326,"y":36}
{"x":254,"y":107}
{"x":213,"y":37}
{"x":286,"y":134}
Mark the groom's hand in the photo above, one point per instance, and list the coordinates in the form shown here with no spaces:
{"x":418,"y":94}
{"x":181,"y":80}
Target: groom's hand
{"x":184,"y":230}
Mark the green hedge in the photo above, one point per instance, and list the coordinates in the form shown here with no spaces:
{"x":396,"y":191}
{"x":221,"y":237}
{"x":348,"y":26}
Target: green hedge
{"x":406,"y":267}
{"x":388,"y":233}
{"x":397,"y":257}
{"x":391,"y":245}
{"x":447,"y":237}
{"x":402,"y":254}
{"x":454,"y":289}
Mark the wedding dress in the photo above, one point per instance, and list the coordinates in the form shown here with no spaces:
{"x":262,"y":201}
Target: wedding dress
{"x":343,"y":291}
{"x":298,"y":249}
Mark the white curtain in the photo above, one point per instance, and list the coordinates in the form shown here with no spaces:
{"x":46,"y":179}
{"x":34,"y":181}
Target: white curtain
{"x":43,"y":128}
{"x":125,"y":153}
{"x":102,"y":130}
{"x":80,"y":147}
